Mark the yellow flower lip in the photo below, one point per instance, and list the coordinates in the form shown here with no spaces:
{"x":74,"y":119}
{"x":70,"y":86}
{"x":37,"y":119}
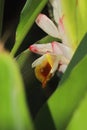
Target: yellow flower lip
{"x":43,"y":74}
{"x":43,"y":70}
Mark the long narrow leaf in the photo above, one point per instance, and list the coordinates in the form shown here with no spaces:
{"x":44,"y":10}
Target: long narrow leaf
{"x":79,"y":119}
{"x":61,"y":105}
{"x":28,"y":15}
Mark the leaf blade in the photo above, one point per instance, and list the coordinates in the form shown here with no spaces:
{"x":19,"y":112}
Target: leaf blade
{"x":79,"y":118}
{"x":28,"y":15}
{"x":63,"y":102}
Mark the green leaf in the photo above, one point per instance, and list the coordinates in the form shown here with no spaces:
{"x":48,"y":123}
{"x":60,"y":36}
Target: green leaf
{"x":14,"y":113}
{"x":28,"y":15}
{"x":79,"y":118}
{"x":1,"y":14}
{"x":75,"y":19}
{"x":58,"y":110}
{"x":48,"y":39}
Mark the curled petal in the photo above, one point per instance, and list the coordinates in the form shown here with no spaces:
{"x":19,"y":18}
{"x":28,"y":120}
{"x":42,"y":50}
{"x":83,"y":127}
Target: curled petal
{"x":53,"y":48}
{"x":38,"y":61}
{"x":47,"y":25}
{"x":41,"y":48}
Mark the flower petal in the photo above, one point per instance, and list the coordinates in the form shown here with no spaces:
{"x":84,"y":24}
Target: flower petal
{"x":62,"y":68}
{"x":45,"y":67}
{"x":62,"y":49}
{"x":47,"y":25}
{"x":42,"y":72}
{"x":55,"y":65}
{"x":59,"y":18}
{"x":41,"y":48}
{"x":62,"y":31}
{"x":56,"y":9}
{"x":38,"y":61}
{"x":55,"y":48}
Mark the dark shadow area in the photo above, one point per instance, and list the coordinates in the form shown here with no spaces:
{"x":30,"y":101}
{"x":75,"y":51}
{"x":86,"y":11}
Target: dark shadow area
{"x":12,"y":9}
{"x":44,"y":120}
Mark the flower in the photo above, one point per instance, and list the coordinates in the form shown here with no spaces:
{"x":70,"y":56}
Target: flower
{"x":55,"y":55}
{"x":46,"y":65}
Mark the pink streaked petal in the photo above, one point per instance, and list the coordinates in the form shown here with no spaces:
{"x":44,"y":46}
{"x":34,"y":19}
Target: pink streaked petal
{"x":56,"y":49}
{"x":59,"y":18}
{"x":41,"y":48}
{"x":62,"y":31}
{"x":33,"y":48}
{"x":47,"y":25}
{"x":62,"y":49}
{"x":62,"y":68}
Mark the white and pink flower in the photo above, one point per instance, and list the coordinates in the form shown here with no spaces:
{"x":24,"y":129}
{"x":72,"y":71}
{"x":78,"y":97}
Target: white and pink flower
{"x":55,"y":55}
